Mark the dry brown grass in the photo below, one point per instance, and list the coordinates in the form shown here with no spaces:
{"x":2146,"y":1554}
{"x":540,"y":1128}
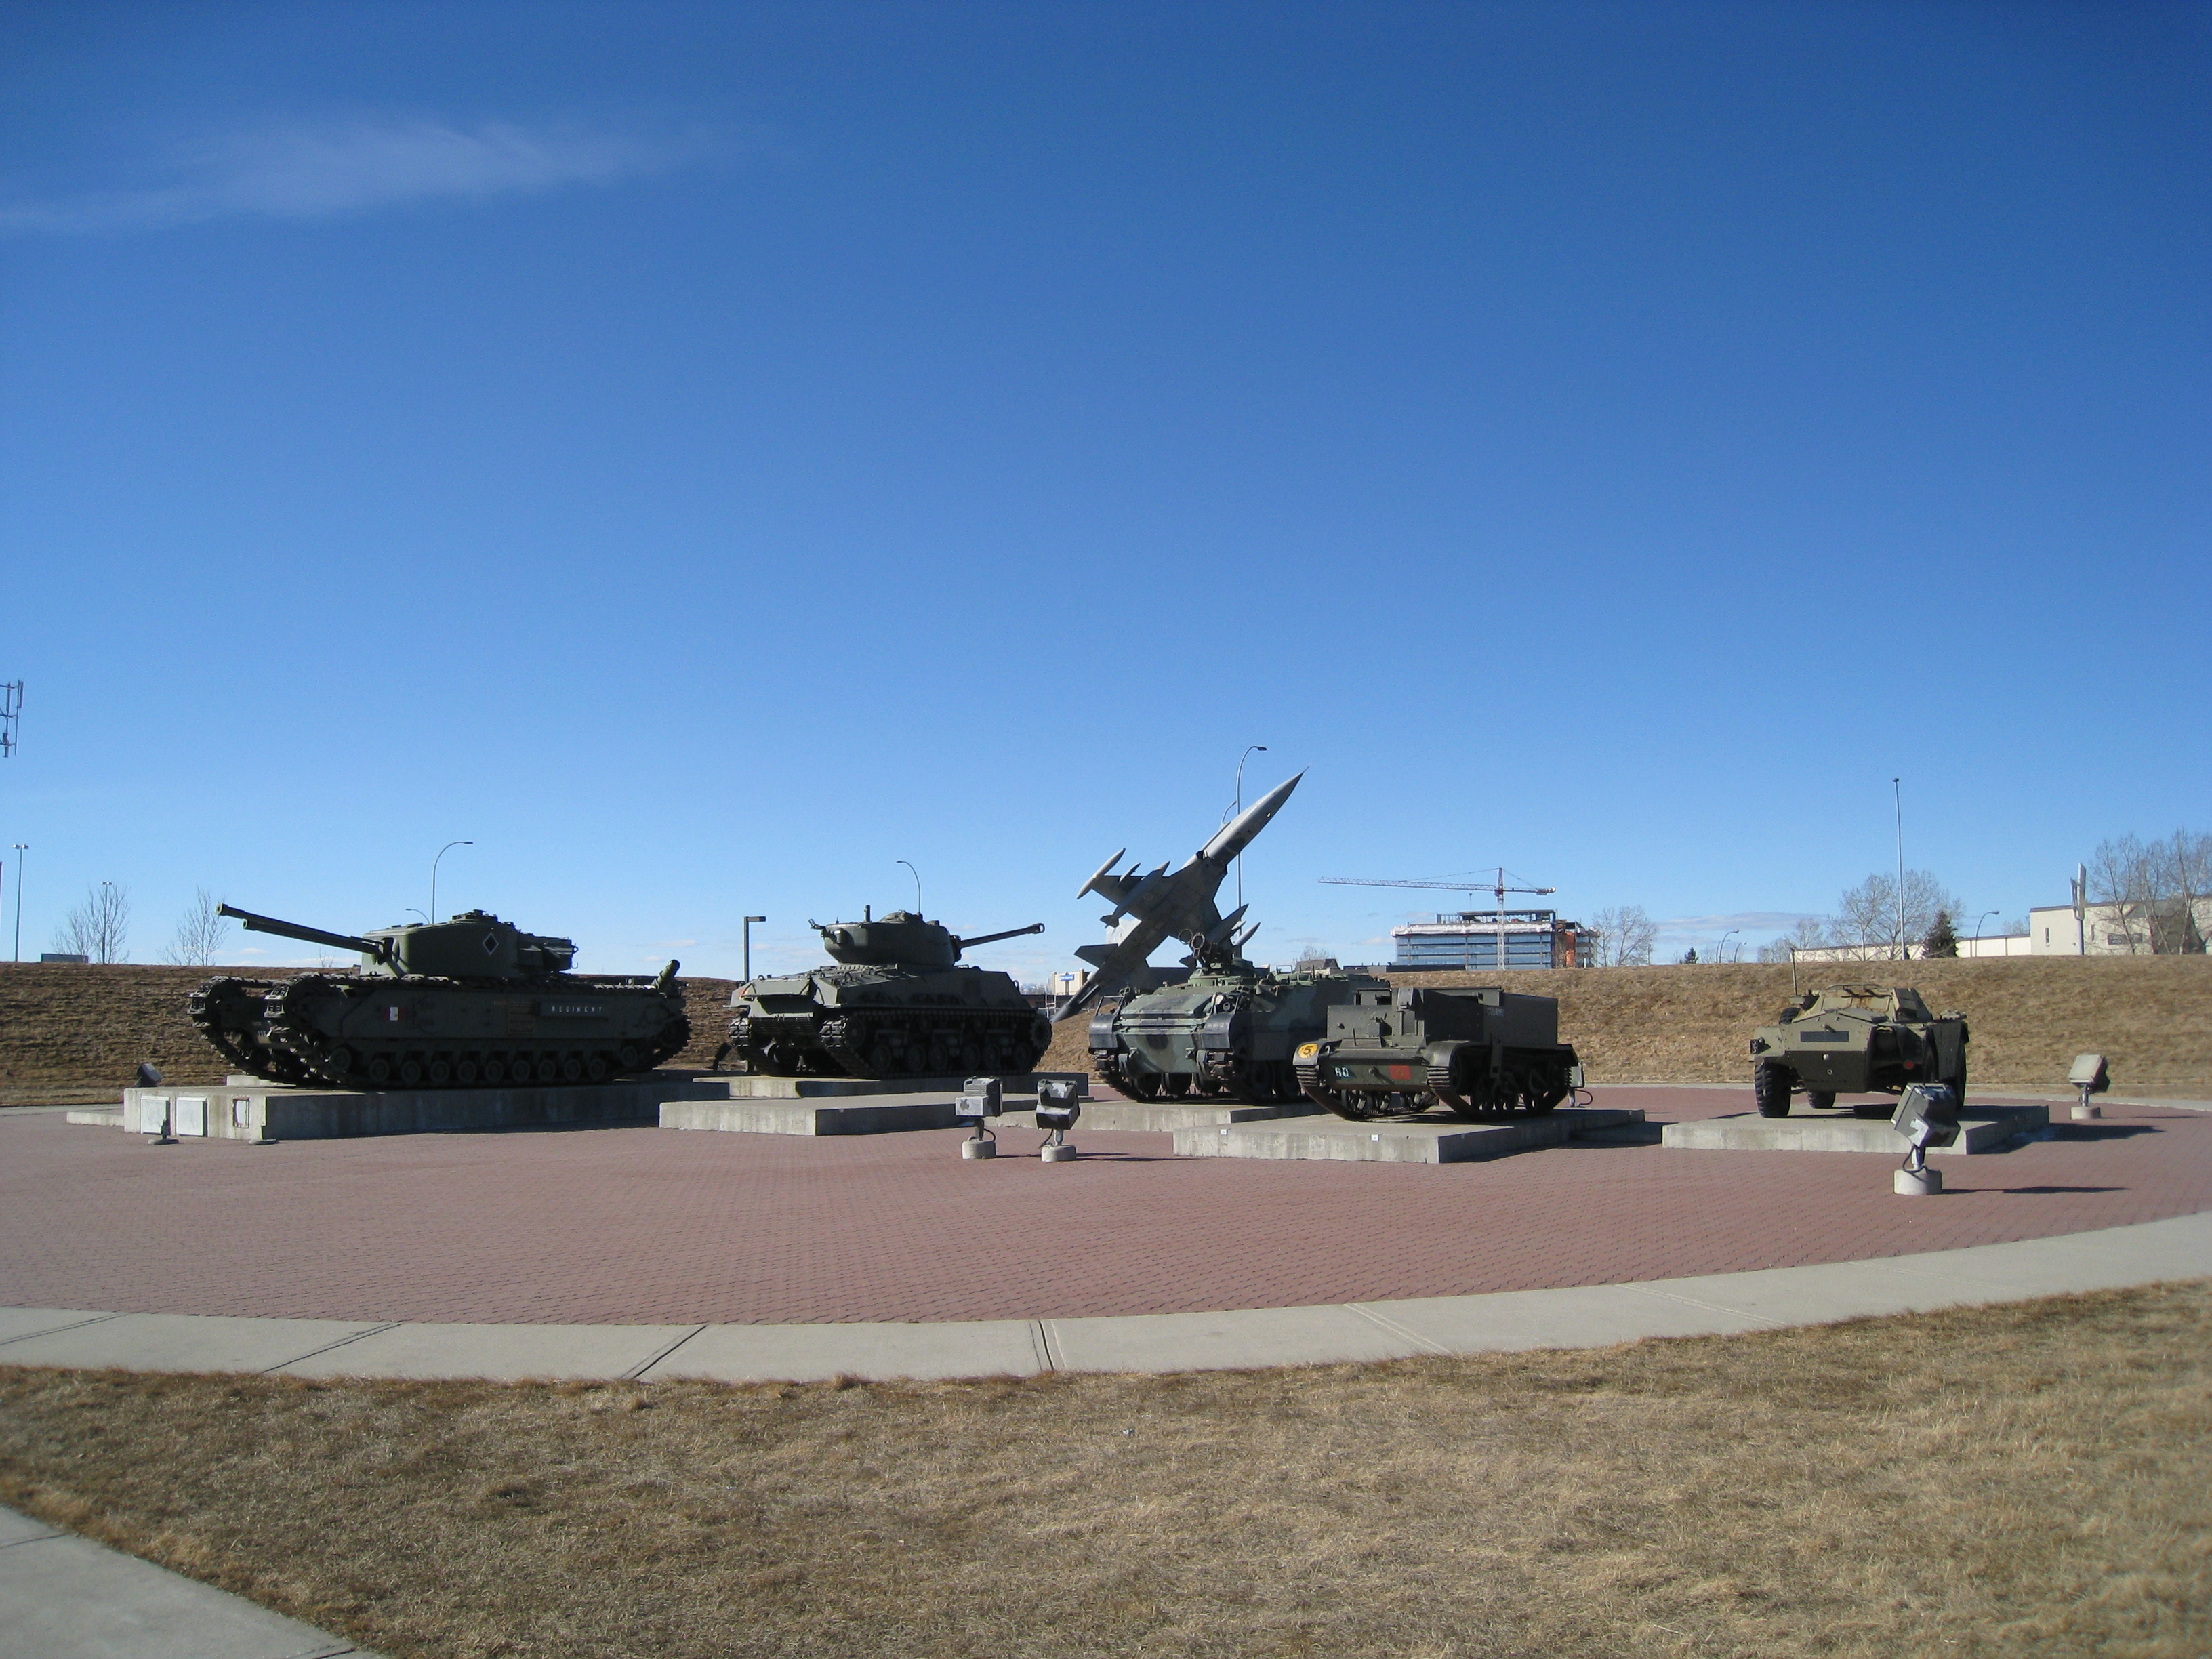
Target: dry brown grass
{"x":71,"y":1034}
{"x":2032,"y":1479}
{"x":2151,"y":1017}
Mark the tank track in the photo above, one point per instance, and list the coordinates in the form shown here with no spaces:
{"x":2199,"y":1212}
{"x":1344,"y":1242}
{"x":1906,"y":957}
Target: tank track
{"x":957,"y":1043}
{"x":285,"y":1047}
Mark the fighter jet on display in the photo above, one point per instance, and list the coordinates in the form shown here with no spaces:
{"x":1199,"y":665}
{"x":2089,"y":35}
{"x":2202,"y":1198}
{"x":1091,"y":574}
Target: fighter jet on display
{"x":1149,"y":909}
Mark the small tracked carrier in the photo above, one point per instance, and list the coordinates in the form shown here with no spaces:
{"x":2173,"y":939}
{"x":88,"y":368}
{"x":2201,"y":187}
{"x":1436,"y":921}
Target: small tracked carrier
{"x":1226,"y":1033}
{"x":894,"y":1003}
{"x":1480,"y":1053}
{"x":470,"y":1002}
{"x":1855,"y":1039}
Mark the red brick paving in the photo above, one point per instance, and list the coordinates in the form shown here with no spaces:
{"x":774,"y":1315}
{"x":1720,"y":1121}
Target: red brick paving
{"x":651,"y":1225}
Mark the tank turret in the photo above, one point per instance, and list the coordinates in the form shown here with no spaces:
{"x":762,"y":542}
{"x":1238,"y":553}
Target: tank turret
{"x":474,"y":945}
{"x":902,"y":939}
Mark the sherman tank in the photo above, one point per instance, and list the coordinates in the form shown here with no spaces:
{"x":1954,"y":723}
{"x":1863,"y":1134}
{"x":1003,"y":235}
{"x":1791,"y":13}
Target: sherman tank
{"x":469,"y":1002}
{"x":1228,"y":1032}
{"x":894,"y":1002}
{"x":1854,"y":1039}
{"x":1393,"y":1052}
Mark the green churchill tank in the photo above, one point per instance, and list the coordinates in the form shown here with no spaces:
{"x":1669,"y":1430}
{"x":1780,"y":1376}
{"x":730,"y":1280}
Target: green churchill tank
{"x":1855,"y":1039}
{"x":894,"y":1002}
{"x":1480,"y":1053}
{"x":466,"y":1003}
{"x":1228,"y":1032}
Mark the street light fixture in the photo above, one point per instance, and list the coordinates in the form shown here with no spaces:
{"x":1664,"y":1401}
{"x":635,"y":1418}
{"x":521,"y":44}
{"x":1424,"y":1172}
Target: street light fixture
{"x":1722,"y":953}
{"x":750,"y":921}
{"x":1979,"y":921}
{"x":442,"y":851}
{"x":1250,"y":749}
{"x":916,"y":874}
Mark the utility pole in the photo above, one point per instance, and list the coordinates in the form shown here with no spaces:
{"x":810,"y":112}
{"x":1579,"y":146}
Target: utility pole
{"x":750,"y":921}
{"x":1903,"y":951}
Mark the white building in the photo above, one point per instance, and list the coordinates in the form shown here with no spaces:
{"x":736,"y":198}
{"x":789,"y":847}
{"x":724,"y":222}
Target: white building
{"x":2165,"y":927}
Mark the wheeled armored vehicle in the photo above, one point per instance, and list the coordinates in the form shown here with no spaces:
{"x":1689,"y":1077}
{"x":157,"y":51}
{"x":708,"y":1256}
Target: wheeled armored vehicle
{"x":1396,"y":1051}
{"x":1228,"y":1032}
{"x":894,"y":1002}
{"x":469,"y":1002}
{"x":1855,"y":1039}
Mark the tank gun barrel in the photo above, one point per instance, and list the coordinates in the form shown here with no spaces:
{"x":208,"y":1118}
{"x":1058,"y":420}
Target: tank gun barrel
{"x":377,"y":948}
{"x":992,"y":939}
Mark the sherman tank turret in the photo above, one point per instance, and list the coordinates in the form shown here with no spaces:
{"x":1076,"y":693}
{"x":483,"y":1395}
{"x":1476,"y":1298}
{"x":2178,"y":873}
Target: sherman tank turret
{"x":895,"y":1001}
{"x":468,"y":1002}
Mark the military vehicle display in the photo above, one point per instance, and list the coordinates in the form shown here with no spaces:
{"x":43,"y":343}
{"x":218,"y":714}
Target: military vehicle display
{"x":1854,"y":1039}
{"x":466,"y":1003}
{"x":1481,"y":1053}
{"x":895,"y":1004}
{"x":1228,"y":1032}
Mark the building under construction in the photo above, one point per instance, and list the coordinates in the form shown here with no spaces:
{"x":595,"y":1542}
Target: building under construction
{"x":1493,"y":938}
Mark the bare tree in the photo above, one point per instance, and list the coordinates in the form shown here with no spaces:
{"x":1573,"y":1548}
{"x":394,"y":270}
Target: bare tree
{"x":2189,"y":881}
{"x":1867,"y":914}
{"x":200,"y":933}
{"x":2124,"y":881}
{"x":1811,"y":933}
{"x":1625,"y":935}
{"x":99,"y":928}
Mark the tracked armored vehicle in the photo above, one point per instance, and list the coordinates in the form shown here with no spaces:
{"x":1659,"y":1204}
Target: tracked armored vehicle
{"x":894,"y":1002}
{"x":1855,"y":1039}
{"x":1396,"y":1052}
{"x":1228,"y":1032}
{"x":467,"y":1003}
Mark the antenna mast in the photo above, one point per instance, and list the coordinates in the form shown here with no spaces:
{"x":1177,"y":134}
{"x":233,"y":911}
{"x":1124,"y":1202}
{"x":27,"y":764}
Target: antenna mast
{"x":11,"y":706}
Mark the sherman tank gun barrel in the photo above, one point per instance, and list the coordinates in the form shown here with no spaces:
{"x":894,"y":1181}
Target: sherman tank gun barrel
{"x":992,"y":939}
{"x":381,"y":949}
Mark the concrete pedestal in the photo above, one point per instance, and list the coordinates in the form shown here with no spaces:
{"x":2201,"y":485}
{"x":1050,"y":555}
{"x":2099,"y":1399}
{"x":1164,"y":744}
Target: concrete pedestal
{"x":1127,"y":1117}
{"x":979,"y":1148}
{"x":869,"y":1115}
{"x":1987,"y":1129}
{"x":1415,"y":1141}
{"x":252,"y":1110}
{"x":1916,"y":1183}
{"x":1060,"y":1154}
{"x":740,"y":1087}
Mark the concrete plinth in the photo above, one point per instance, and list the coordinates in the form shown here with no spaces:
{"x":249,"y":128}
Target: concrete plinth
{"x":1414,"y":1140}
{"x":874,"y":1114}
{"x":1127,"y":1117}
{"x":255,"y":1111}
{"x":1916,"y":1183}
{"x":817,"y":1088}
{"x":1990,"y":1129}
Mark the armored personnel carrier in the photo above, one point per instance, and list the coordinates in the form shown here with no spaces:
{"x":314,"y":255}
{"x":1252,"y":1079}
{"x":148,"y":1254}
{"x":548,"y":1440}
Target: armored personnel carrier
{"x":465,"y":1003}
{"x":1854,"y":1039}
{"x":1395,"y":1052}
{"x":893,"y":1003}
{"x":1226,"y":1033}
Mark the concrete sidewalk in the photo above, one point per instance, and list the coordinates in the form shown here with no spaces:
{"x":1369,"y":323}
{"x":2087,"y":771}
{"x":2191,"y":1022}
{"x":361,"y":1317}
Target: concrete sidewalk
{"x":65,"y":1597}
{"x":1578,"y":1317}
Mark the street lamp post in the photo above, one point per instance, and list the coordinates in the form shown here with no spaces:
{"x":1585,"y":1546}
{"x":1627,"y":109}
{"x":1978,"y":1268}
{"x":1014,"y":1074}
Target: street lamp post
{"x":442,"y":851}
{"x":1903,"y":951}
{"x":21,"y":848}
{"x":1979,"y":921}
{"x":1722,"y":953}
{"x":916,"y":874}
{"x":750,"y":921}
{"x":1250,"y":750}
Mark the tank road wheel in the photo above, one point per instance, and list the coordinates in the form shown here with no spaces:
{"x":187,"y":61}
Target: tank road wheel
{"x":379,"y":1070}
{"x":339,"y":1064}
{"x":626,"y":1058}
{"x":1770,"y":1088}
{"x":1548,"y":1087}
{"x":409,"y":1071}
{"x":1144,"y":1085}
{"x":495,"y":1068}
{"x":548,"y":1068}
{"x":597,"y":1068}
{"x":1819,"y":1099}
{"x":974,"y":1057}
{"x":440,"y":1072}
{"x":467,"y":1071}
{"x":572,"y":1068}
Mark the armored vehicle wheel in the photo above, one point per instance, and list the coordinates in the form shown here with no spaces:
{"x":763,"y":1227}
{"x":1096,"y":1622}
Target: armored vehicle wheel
{"x":440,"y":1072}
{"x":596,"y":1069}
{"x":495,"y":1069}
{"x":1819,"y":1099}
{"x":1177,"y":1085}
{"x":1770,"y":1088}
{"x":548,"y":1069}
{"x":1145,"y":1085}
{"x":379,"y":1070}
{"x":466,"y":1070}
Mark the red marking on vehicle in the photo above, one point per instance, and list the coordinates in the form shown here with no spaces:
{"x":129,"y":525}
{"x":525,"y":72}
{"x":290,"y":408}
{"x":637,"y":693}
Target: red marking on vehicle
{"x":1401,"y":1074}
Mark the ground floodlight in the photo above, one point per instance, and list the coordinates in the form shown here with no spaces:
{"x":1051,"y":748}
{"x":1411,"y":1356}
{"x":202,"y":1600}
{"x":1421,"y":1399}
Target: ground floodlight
{"x":149,"y":1075}
{"x":984,"y":1098}
{"x":1057,"y":1108}
{"x":1928,"y":1116}
{"x":2091,"y":1078}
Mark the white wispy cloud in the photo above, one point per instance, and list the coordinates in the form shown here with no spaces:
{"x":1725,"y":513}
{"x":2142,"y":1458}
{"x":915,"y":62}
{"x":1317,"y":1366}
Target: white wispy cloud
{"x":298,"y":170}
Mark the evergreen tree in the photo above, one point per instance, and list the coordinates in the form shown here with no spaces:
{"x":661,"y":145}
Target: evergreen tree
{"x":1943,"y":939}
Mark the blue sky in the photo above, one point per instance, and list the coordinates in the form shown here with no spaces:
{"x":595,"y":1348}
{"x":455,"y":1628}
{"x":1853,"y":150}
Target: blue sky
{"x":705,"y":455}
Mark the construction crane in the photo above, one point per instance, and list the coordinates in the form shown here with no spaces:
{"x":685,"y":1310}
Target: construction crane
{"x":1497,"y":888}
